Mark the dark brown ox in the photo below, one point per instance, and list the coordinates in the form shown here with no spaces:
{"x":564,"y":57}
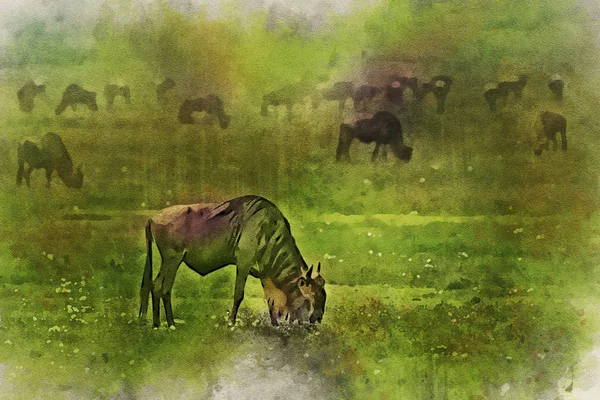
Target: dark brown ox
{"x":247,"y":231}
{"x":212,"y":104}
{"x":52,"y":156}
{"x":551,"y":124}
{"x":383,"y":129}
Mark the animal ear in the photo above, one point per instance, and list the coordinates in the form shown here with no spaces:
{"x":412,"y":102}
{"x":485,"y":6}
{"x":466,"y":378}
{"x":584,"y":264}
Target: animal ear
{"x":319,"y":268}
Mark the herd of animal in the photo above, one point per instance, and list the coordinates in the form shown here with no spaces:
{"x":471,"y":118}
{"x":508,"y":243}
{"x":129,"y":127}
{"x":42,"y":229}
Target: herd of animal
{"x":250,"y":231}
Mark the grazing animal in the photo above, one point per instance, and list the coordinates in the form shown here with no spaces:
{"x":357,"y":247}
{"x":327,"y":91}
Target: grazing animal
{"x":211,"y":104}
{"x":75,"y":94}
{"x":340,"y":92}
{"x":556,"y":86}
{"x":394,"y":92}
{"x":551,"y":124}
{"x":162,"y":88}
{"x":439,"y":85}
{"x":494,"y":92}
{"x":516,"y":87}
{"x":247,"y":231}
{"x":111,"y":91}
{"x":291,"y":94}
{"x":363,"y":95}
{"x":52,"y":156}
{"x":383,"y":128}
{"x":491,"y":95}
{"x":27,"y":94}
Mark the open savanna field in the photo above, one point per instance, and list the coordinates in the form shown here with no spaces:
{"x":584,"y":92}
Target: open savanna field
{"x":470,"y":272}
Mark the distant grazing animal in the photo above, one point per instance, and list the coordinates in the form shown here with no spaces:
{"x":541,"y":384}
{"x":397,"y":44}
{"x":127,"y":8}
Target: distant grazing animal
{"x":27,"y":94}
{"x":363,"y":95}
{"x":111,"y":91}
{"x":211,"y":104}
{"x":52,"y":156}
{"x":556,"y":87}
{"x":439,"y":85}
{"x":394,"y":92}
{"x":501,"y":91}
{"x":247,"y":231}
{"x":162,"y":88}
{"x":75,"y":94}
{"x":288,"y":96}
{"x":516,"y":87}
{"x":551,"y":124}
{"x":340,"y":92}
{"x":383,"y":129}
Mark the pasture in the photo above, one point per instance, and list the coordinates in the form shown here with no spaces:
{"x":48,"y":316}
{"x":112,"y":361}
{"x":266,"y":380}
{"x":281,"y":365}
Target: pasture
{"x":468,"y":273}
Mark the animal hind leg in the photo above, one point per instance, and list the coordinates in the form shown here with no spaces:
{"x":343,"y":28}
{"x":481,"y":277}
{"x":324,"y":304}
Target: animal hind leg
{"x":162,"y":285}
{"x":563,"y":136}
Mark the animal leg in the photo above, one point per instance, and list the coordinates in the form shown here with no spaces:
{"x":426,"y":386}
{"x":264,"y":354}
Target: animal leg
{"x":375,"y":152}
{"x":28,"y":176}
{"x":563,"y":136}
{"x":384,"y":154}
{"x":161,"y":287}
{"x":345,"y":139}
{"x":238,"y":295}
{"x":554,"y":142}
{"x":48,"y":176}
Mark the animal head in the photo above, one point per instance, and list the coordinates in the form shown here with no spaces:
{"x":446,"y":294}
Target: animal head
{"x":404,"y":153}
{"x":77,"y":178}
{"x":312,"y":288}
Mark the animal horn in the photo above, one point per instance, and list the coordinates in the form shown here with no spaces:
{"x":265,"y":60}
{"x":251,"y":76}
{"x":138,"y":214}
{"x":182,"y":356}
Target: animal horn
{"x":319,"y":268}
{"x":309,"y":274}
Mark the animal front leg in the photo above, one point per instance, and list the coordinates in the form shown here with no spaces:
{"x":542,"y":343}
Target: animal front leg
{"x":563,"y":136}
{"x":554,"y":142}
{"x":28,"y":176}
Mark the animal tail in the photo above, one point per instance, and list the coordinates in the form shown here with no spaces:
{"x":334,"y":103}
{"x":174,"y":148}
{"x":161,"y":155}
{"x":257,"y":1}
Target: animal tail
{"x":21,"y":161}
{"x":147,"y":277}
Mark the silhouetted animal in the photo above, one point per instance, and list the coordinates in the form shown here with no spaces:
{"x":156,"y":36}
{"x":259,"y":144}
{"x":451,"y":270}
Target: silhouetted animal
{"x":111,"y":91}
{"x":439,"y":85}
{"x":364,"y":94}
{"x":52,"y":156}
{"x":340,"y":92}
{"x":162,"y":88}
{"x":501,"y":91}
{"x":27,"y":94}
{"x":247,"y":231}
{"x":394,"y":92}
{"x":383,"y":129}
{"x":516,"y":87}
{"x":551,"y":124}
{"x":288,"y":96}
{"x":75,"y":94}
{"x":556,"y":86}
{"x":211,"y":104}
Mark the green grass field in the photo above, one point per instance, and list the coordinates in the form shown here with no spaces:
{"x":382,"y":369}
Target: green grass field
{"x":468,"y":273}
